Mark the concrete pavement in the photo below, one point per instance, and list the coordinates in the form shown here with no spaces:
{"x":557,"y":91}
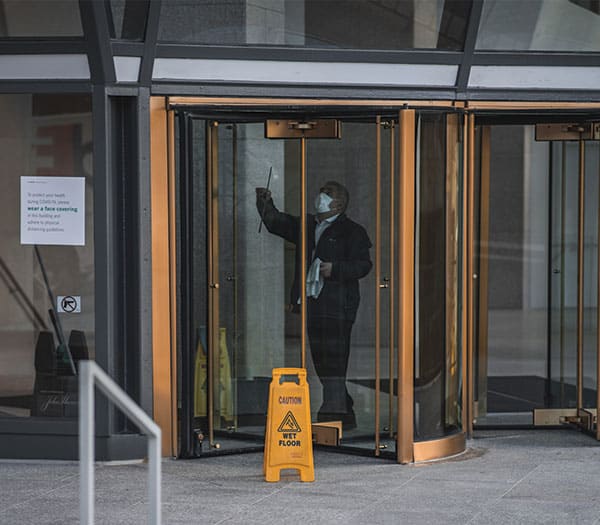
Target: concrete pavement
{"x":510,"y":477}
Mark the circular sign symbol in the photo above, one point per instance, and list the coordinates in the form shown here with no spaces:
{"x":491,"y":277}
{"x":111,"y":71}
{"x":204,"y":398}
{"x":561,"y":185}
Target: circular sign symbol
{"x":68,"y":304}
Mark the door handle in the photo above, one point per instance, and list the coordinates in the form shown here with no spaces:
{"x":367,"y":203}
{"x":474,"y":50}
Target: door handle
{"x":214,"y":285}
{"x":385,"y":284}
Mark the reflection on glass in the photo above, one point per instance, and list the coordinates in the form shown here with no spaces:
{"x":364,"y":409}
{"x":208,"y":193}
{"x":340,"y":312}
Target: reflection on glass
{"x":256,"y":331}
{"x":45,"y":136}
{"x":259,"y":266}
{"x":518,"y":274}
{"x":437,"y":349}
{"x":538,"y":25}
{"x":347,"y":24}
{"x":40,"y":18}
{"x":565,"y":157}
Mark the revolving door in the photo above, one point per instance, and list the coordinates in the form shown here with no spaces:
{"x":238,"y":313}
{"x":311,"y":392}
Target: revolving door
{"x":233,"y":274}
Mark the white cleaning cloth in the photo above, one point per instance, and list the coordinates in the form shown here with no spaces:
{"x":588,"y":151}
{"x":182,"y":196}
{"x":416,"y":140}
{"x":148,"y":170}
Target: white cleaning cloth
{"x":314,"y":280}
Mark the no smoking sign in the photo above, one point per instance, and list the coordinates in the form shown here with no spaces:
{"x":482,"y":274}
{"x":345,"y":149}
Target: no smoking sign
{"x":68,"y":304}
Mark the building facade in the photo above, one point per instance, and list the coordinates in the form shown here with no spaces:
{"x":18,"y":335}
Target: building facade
{"x":135,"y":133}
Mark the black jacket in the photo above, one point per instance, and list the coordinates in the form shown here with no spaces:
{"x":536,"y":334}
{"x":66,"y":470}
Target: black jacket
{"x":344,"y":243}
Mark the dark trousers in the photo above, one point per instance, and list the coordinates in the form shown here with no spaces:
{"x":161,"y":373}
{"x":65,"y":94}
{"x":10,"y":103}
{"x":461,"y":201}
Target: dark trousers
{"x":330,"y":349}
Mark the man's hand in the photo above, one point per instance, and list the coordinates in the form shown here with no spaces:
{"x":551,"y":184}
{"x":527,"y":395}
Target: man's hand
{"x":263,"y":194}
{"x":325,"y":269}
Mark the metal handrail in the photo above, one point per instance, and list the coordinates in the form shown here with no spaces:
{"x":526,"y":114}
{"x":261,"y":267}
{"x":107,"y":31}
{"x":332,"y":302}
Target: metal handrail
{"x":91,"y":374}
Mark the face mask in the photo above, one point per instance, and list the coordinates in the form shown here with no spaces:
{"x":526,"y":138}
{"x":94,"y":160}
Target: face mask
{"x":322,"y":203}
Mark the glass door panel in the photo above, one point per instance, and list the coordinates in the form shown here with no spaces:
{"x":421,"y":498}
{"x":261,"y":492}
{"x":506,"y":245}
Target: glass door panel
{"x":356,"y":382}
{"x":515,"y":247}
{"x":243,"y":319}
{"x":237,"y":277}
{"x":570,"y":388}
{"x":535,"y":252}
{"x":438,"y":383}
{"x":256,"y":332}
{"x":563,"y":307}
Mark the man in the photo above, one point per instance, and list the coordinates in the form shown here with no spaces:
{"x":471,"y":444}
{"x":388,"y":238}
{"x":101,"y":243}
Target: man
{"x":337,"y":257}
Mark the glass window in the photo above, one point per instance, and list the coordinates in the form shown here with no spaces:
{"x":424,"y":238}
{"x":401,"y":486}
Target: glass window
{"x":348,"y":24}
{"x":46,"y":252}
{"x":40,"y":18}
{"x":127,"y":19}
{"x":536,"y":25}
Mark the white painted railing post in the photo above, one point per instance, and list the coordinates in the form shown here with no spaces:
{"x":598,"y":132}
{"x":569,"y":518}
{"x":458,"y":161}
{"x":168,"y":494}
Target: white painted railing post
{"x":86,"y":443}
{"x":90,"y":375}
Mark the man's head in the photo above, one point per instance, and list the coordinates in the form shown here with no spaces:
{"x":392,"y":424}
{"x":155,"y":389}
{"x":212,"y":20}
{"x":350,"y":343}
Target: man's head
{"x":340,"y":196}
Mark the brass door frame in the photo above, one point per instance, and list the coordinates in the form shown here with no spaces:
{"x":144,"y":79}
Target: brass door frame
{"x":212,"y":209}
{"x":164,"y":279}
{"x":483,"y":272}
{"x":164,"y":366}
{"x":378,"y":281}
{"x":406,"y":287}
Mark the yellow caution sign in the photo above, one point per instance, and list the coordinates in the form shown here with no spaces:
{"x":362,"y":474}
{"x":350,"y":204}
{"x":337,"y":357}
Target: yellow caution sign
{"x":288,"y":439}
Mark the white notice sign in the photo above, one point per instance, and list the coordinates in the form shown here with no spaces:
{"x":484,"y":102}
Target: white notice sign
{"x":53,"y":210}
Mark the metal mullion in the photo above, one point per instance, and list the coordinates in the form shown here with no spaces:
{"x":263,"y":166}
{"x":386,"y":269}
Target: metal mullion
{"x":94,"y":22}
{"x":470,"y":218}
{"x":451,"y":257}
{"x":172,"y":189}
{"x":462,"y":78}
{"x":377,"y":279}
{"x":224,"y":52}
{"x":528,"y":58}
{"x":303,"y":250}
{"x":213,"y":270}
{"x":150,"y":39}
{"x":580,"y":246}
{"x":68,"y":46}
{"x":185,"y":281}
{"x":484,"y":220}
{"x":392,"y":290}
{"x":598,"y":317}
{"x":234,"y":162}
{"x":467,"y":146}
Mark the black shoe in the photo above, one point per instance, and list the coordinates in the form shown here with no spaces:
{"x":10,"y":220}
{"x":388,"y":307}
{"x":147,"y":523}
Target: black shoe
{"x":348,"y":421}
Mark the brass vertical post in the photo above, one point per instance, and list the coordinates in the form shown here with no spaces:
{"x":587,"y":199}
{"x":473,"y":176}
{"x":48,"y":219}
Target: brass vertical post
{"x":563,"y":229}
{"x":377,"y":278}
{"x":234,"y":384}
{"x":484,"y":221}
{"x":392,"y":290}
{"x":467,"y":386}
{"x":406,"y":285}
{"x":470,"y":267}
{"x":213,"y":271}
{"x":452,"y":357}
{"x":580,"y":246}
{"x":163,"y":351}
{"x":303,"y":249}
{"x":173,"y":274}
{"x":598,"y":322}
